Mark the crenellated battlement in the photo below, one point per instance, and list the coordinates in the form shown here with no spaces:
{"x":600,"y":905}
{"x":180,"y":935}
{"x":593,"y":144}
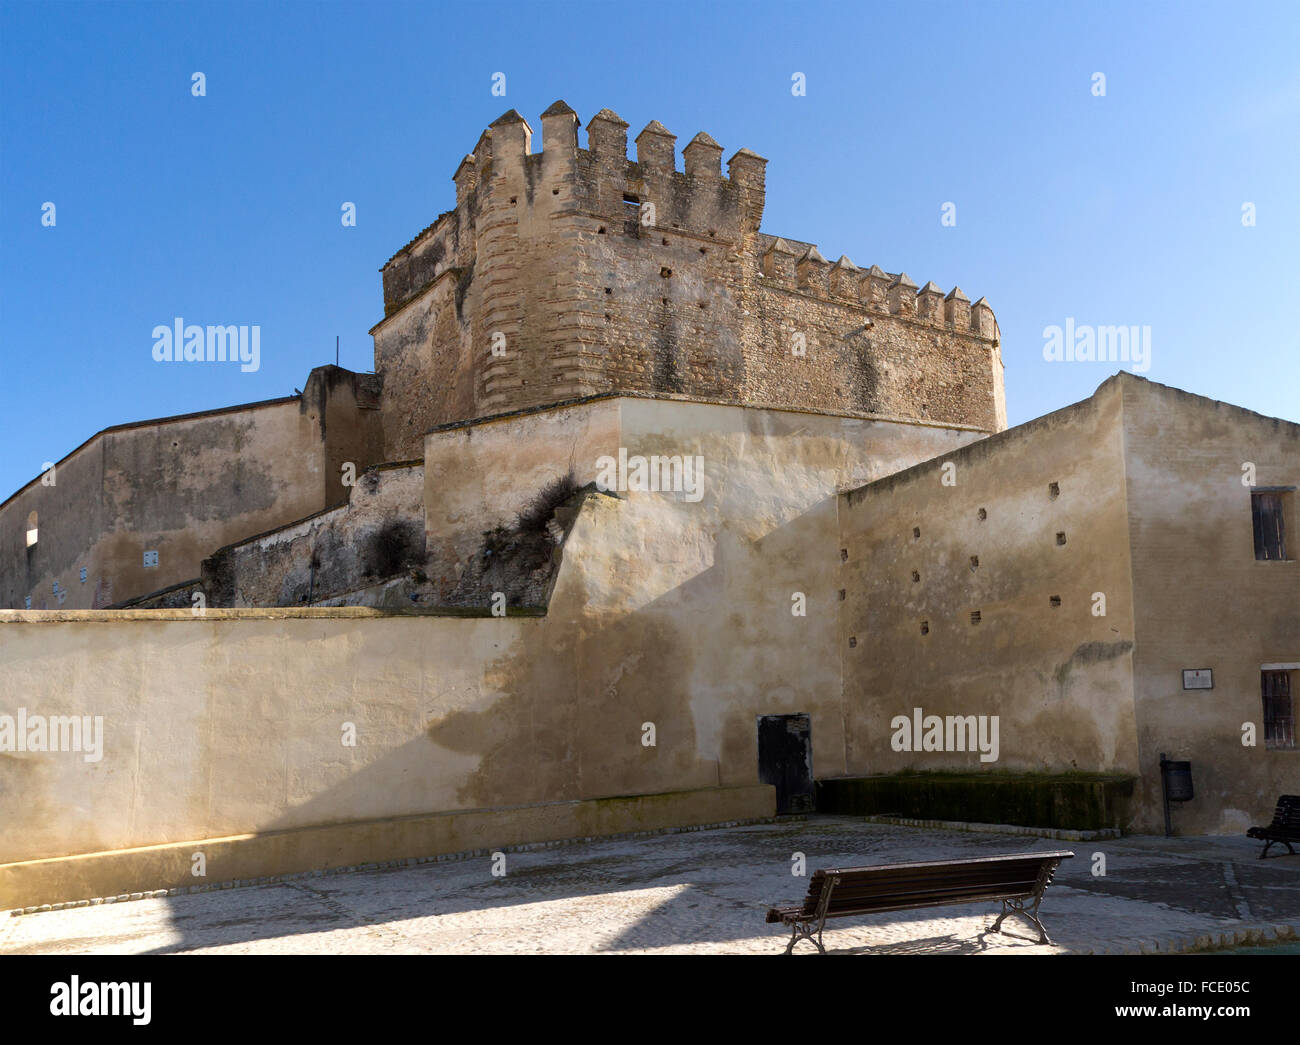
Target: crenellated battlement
{"x":605,"y":182}
{"x":564,"y":271}
{"x":600,"y":181}
{"x":802,"y":269}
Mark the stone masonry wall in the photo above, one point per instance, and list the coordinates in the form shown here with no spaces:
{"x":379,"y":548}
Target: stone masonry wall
{"x":376,"y":535}
{"x":572,"y":272}
{"x":182,"y":487}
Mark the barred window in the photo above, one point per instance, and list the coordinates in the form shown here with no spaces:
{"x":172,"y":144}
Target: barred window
{"x":1267,"y":515}
{"x":1279,"y":714}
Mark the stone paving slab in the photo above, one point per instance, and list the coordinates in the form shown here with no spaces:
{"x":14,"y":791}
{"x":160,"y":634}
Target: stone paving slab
{"x":702,"y":892}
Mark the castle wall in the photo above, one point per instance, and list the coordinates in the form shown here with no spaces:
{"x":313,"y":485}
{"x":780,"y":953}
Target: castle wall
{"x":1203,"y":601}
{"x":1058,"y":677}
{"x":680,"y":610}
{"x":182,"y":487}
{"x":479,"y":476}
{"x":232,"y":722}
{"x":424,"y":355}
{"x":378,"y":533}
{"x":570,"y":272}
{"x":877,"y":363}
{"x":723,"y":610}
{"x":665,"y":610}
{"x":1156,"y":519}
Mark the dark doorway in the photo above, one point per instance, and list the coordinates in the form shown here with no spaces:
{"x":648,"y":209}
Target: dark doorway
{"x":785,"y":760}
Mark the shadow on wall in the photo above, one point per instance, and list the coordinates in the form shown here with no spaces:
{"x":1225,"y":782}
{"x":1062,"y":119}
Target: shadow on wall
{"x":573,"y":696}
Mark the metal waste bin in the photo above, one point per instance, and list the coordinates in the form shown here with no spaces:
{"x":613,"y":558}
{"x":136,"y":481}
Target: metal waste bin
{"x":1176,"y":783}
{"x":1178,"y":780}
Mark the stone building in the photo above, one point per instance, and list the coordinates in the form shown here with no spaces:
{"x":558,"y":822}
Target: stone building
{"x":136,"y":508}
{"x":640,"y":504}
{"x":1109,"y":580}
{"x":560,"y":275}
{"x":572,"y":272}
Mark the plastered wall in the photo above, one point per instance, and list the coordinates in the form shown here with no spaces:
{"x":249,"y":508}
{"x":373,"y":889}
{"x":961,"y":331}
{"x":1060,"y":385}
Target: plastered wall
{"x":183,"y":487}
{"x":1203,"y":601}
{"x":1149,"y":512}
{"x":983,"y":531}
{"x":667,"y":611}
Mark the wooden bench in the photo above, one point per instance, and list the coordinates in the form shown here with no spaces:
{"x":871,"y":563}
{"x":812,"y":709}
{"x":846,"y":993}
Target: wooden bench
{"x":1017,"y":881}
{"x":1285,"y":827}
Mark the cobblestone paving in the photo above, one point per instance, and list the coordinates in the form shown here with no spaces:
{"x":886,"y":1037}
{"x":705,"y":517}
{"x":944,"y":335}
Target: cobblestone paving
{"x":702,"y":892}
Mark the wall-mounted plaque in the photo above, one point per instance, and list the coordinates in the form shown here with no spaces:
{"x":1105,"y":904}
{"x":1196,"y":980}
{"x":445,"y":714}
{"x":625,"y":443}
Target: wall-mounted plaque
{"x":1198,"y":678}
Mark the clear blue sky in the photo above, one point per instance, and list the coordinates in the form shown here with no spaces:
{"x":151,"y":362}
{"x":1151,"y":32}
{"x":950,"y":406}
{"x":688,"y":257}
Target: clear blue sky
{"x":1122,"y":209}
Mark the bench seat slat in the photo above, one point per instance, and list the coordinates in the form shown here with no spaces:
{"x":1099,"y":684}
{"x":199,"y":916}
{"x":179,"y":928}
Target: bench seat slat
{"x":1285,"y":827}
{"x":903,"y":901}
{"x":873,"y":896}
{"x":950,"y":865}
{"x":877,"y":885}
{"x":1011,"y":874}
{"x":882,"y":888}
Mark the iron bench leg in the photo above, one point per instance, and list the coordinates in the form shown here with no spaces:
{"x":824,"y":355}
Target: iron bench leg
{"x":1030,"y":914}
{"x":1276,"y":841}
{"x":804,"y":929}
{"x":1029,"y":910}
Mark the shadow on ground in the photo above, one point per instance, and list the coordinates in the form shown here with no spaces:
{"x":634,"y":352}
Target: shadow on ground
{"x":703,"y":889}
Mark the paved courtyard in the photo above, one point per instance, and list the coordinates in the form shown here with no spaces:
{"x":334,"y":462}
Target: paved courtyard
{"x":701,"y":892}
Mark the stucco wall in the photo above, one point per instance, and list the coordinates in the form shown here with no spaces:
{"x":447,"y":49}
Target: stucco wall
{"x":681,"y":610}
{"x":713,"y":641}
{"x":479,"y":476}
{"x":183,"y":487}
{"x":1155,"y":517}
{"x":224,"y":724}
{"x":1058,"y":678}
{"x":665,"y":611}
{"x":1203,"y":601}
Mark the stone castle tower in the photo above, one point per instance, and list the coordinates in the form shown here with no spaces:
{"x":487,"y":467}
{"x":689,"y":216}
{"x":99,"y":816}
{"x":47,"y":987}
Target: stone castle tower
{"x":573,"y":272}
{"x":561,"y":276}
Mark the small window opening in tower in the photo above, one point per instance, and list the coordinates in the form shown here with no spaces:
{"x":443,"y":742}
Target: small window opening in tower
{"x":31,"y":529}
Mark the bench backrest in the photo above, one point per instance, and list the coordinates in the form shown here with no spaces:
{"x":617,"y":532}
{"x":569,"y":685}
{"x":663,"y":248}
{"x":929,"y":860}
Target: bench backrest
{"x":1287,"y":813}
{"x":931,"y":883}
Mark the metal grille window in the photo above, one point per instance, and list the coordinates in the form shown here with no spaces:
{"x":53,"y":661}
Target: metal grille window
{"x":1279,"y":714}
{"x":1270,"y":529}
